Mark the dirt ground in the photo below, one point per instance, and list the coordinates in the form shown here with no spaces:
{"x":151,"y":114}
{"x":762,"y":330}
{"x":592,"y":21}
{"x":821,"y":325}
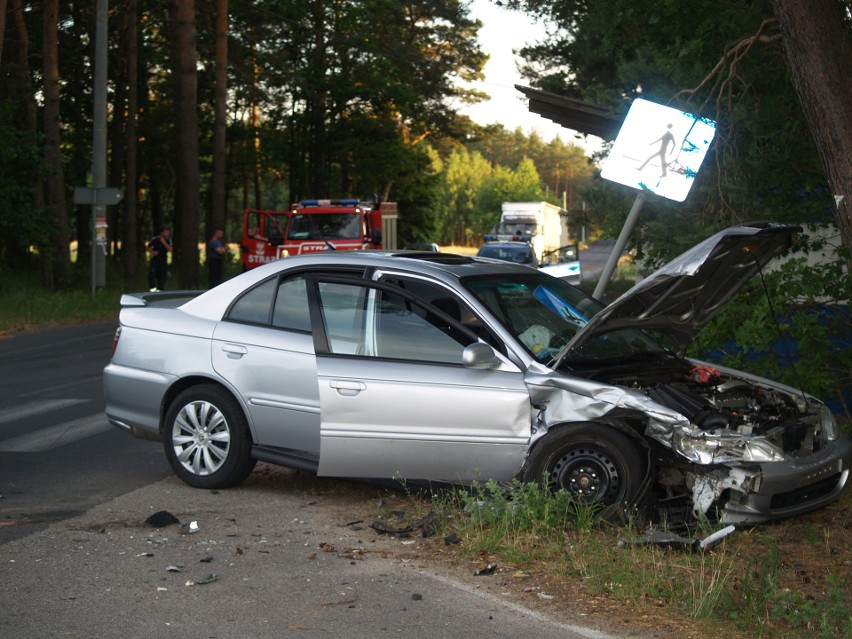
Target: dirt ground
{"x":810,"y":547}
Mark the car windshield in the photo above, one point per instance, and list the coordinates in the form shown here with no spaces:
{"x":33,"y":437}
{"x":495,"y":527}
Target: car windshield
{"x":324,"y":226}
{"x":544,"y":313}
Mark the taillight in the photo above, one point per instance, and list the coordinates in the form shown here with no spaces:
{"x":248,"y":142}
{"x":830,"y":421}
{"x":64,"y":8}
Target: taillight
{"x":115,"y":340}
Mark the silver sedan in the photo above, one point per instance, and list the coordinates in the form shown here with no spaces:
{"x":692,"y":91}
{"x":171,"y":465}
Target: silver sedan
{"x":424,"y":366}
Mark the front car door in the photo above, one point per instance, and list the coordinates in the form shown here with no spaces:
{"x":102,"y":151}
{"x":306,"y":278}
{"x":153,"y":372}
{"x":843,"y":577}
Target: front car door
{"x":396,"y":400}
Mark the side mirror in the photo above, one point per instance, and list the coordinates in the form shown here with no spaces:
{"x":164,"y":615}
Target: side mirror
{"x":480,"y":355}
{"x":376,"y":237}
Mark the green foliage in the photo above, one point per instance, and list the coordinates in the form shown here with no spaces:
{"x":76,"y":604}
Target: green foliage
{"x":799,"y":335}
{"x":22,"y":227}
{"x":763,"y":163}
{"x":25,"y":305}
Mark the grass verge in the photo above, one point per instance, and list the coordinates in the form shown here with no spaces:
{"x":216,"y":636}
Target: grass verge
{"x":25,"y":305}
{"x":787,"y":580}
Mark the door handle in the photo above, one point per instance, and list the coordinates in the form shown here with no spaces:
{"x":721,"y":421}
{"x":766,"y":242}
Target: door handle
{"x":347,"y":388}
{"x":234,"y":351}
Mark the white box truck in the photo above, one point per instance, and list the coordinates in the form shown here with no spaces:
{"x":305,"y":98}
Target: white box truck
{"x":544,"y":227}
{"x":539,"y":223}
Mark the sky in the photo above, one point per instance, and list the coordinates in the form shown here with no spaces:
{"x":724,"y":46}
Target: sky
{"x":503,"y":31}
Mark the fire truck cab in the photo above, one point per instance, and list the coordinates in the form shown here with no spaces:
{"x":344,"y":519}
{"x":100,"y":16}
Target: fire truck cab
{"x":310,"y":226}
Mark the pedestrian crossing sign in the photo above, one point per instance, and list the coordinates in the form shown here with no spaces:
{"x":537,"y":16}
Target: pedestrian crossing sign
{"x":659,"y":149}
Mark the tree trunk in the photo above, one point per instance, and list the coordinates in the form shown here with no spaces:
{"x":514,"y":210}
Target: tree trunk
{"x":60,"y":261}
{"x":2,"y":26}
{"x":130,"y":236}
{"x":187,"y":172}
{"x":220,"y":92}
{"x":317,"y":104}
{"x":31,"y":107}
{"x":117,"y":137}
{"x":819,"y":51}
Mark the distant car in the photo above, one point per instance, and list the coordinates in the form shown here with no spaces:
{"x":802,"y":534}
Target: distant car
{"x":517,"y":252}
{"x":422,"y":246}
{"x":442,"y":367}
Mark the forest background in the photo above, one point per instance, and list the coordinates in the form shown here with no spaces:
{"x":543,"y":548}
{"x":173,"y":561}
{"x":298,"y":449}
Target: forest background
{"x":220,"y":105}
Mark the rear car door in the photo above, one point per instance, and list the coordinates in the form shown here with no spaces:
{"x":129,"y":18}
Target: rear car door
{"x":264,"y":349}
{"x":396,"y":400}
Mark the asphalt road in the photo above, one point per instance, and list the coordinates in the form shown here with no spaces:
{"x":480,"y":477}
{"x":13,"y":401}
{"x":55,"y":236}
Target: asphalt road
{"x":593,"y":259}
{"x":58,"y":454}
{"x":283,"y":555}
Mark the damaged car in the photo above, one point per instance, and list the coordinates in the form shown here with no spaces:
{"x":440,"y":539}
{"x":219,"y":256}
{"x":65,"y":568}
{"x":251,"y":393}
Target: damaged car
{"x":424,"y":366}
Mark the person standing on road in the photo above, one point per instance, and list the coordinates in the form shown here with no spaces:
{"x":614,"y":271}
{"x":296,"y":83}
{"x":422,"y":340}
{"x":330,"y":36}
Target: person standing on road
{"x":215,"y":257}
{"x":159,"y":247}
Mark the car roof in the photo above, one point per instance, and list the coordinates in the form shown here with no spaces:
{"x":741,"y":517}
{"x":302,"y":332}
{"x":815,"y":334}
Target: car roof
{"x":447,"y":267}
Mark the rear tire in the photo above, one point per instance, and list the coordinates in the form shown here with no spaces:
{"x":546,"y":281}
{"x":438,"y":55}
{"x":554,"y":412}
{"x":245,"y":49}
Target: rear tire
{"x":595,"y":463}
{"x":207,"y":439}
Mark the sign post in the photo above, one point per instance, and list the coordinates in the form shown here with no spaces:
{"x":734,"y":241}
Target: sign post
{"x":658,"y":151}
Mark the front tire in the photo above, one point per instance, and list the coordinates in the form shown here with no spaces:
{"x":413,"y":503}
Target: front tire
{"x":595,"y":463}
{"x":207,"y":439}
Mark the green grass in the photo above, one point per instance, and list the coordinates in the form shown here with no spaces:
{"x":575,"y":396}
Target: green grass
{"x":25,"y":305}
{"x":745,"y":587}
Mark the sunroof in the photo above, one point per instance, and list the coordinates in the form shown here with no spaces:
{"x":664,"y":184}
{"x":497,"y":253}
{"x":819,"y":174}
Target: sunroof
{"x":438,"y":258}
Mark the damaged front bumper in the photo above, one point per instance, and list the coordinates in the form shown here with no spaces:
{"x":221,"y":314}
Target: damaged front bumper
{"x":757,"y":493}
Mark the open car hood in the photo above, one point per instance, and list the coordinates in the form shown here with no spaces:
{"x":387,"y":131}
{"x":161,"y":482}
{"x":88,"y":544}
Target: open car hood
{"x":683,"y":296}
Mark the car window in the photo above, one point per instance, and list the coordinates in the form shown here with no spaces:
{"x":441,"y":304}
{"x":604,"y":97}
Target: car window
{"x":291,"y":305}
{"x":543,"y":312}
{"x":449,"y":303}
{"x":254,"y":305}
{"x":370,"y":322}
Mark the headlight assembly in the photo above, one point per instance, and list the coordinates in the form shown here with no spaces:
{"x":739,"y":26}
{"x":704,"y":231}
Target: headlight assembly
{"x":711,"y":450}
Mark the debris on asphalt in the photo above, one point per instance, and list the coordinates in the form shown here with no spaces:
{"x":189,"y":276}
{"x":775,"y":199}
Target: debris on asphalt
{"x":386,"y":529}
{"x":417,"y":597}
{"x":174,"y":568}
{"x":161,"y":519}
{"x":206,"y":559}
{"x":159,"y":541}
{"x":207,"y":579}
{"x":190,"y":528}
{"x":488,"y":570}
{"x":545,"y":596}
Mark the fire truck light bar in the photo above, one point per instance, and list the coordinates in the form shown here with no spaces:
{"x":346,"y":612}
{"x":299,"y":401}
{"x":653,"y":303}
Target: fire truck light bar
{"x":329,"y":202}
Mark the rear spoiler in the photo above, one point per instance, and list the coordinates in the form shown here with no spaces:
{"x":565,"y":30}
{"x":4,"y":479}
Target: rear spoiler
{"x":169,"y":299}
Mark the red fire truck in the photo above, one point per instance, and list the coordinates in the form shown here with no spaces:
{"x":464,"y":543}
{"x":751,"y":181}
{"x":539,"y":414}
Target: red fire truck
{"x":310,"y":226}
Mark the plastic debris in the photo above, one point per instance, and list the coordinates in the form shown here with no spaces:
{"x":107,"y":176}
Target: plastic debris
{"x":452,"y":539}
{"x":488,"y":570}
{"x":174,"y":568}
{"x":191,"y":527}
{"x":673,"y":540}
{"x":161,"y":519}
{"x":206,"y":560}
{"x":208,"y":579}
{"x":157,"y":540}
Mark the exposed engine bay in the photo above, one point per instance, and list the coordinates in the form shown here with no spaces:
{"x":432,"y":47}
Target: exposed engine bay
{"x":731,"y":425}
{"x":720,"y":405}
